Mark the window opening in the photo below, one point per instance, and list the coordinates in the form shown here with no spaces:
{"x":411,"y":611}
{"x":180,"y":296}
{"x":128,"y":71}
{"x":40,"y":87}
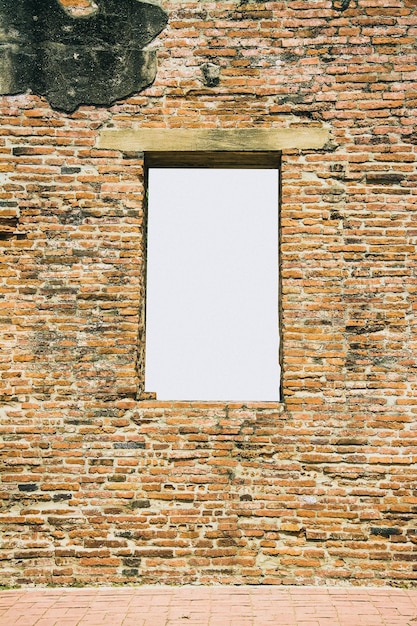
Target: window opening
{"x":212,"y":314}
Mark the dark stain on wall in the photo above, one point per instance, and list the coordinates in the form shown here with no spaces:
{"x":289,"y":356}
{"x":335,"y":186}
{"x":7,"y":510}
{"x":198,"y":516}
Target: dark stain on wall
{"x":95,"y":59}
{"x":341,"y":5}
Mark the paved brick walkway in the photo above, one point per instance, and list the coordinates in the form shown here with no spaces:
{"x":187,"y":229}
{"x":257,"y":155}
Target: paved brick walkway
{"x":209,"y":606}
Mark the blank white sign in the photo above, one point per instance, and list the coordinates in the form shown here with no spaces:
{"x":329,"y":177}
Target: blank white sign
{"x":212,"y":285}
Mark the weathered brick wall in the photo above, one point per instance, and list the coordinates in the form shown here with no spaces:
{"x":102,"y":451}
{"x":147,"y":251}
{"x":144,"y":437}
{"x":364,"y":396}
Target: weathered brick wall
{"x":98,"y":487}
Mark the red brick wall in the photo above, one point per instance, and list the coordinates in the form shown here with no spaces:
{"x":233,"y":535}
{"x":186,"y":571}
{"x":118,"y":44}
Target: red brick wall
{"x":98,"y":487}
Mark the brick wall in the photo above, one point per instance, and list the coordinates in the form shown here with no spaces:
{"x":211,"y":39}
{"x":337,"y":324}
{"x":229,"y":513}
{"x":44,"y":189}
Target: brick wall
{"x":98,"y":487}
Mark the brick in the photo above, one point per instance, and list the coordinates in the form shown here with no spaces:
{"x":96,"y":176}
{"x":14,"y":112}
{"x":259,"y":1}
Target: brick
{"x":105,"y":486}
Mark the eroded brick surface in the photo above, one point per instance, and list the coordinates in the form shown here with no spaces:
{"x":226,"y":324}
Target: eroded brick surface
{"x":98,"y":487}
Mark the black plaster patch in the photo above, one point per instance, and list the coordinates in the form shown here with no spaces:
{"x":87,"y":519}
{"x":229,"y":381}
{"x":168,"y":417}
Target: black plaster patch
{"x":94,"y":59}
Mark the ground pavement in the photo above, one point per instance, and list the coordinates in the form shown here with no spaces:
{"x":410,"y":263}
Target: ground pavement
{"x":209,"y":606}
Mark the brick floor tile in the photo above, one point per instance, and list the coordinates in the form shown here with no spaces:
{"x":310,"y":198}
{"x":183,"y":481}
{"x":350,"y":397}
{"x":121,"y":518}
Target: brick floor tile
{"x":209,"y":606}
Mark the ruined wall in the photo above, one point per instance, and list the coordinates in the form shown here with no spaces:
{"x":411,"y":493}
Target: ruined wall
{"x":101,"y":487}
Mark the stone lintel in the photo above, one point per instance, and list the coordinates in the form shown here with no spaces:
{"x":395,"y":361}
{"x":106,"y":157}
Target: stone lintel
{"x":189,"y":140}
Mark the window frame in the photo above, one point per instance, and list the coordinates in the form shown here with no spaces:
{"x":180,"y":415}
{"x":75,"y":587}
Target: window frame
{"x":223,"y":159}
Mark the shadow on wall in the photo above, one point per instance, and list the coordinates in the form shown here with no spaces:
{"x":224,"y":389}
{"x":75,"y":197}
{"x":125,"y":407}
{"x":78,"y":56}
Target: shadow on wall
{"x":94,"y":59}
